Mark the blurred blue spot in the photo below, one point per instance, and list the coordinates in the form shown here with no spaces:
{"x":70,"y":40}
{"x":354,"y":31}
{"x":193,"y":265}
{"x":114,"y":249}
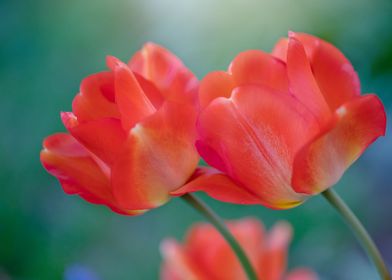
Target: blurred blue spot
{"x":79,"y":272}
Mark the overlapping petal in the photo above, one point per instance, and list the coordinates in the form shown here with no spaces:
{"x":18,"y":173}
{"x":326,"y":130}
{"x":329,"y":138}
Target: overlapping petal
{"x":256,"y":67}
{"x":131,"y":100}
{"x":333,"y":72}
{"x":321,"y":163}
{"x":151,"y":91}
{"x":66,"y":159}
{"x":104,"y":137}
{"x":249,"y":133}
{"x":96,"y":98}
{"x":215,"y":84}
{"x":251,"y":67}
{"x":158,"y":157}
{"x":218,"y":185}
{"x":302,"y":82}
{"x":78,"y":172}
{"x":169,"y":74}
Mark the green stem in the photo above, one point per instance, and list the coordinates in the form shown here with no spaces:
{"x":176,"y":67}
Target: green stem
{"x":360,"y":231}
{"x":214,"y":219}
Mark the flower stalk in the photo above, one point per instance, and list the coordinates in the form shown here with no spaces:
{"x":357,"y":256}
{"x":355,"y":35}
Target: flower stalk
{"x":217,"y":222}
{"x":363,"y":236}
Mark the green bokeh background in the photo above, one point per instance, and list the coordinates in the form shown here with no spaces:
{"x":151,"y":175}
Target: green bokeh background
{"x":47,"y":47}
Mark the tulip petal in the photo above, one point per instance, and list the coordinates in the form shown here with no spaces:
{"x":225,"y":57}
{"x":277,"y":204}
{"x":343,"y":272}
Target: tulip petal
{"x":218,"y":186}
{"x":249,"y":133}
{"x":321,"y":163}
{"x":177,"y":265}
{"x":333,"y":72}
{"x":152,"y":93}
{"x":215,"y":84}
{"x":78,"y":172}
{"x":302,"y":83}
{"x":96,"y":98}
{"x":301,"y":274}
{"x":274,"y":256}
{"x":280,"y":49}
{"x":206,"y":247}
{"x":132,"y":102}
{"x":257,"y":67}
{"x":104,"y":137}
{"x":335,"y":76}
{"x":158,"y":157}
{"x":310,"y":43}
{"x":166,"y":71}
{"x":70,"y":162}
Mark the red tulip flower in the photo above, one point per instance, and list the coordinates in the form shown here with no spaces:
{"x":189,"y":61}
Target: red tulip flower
{"x":205,"y":255}
{"x":131,"y":133}
{"x":280,"y":127}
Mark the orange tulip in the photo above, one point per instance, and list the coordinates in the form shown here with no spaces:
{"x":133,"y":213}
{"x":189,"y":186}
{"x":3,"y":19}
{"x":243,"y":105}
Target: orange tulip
{"x":132,"y":133}
{"x":205,"y":255}
{"x":283,"y":126}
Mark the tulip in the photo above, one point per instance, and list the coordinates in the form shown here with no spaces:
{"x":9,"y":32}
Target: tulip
{"x":205,"y":255}
{"x":131,"y":133}
{"x":278,"y":128}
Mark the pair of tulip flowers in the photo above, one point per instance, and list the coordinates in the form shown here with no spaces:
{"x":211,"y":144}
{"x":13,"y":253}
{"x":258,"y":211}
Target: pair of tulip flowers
{"x":274,"y":128}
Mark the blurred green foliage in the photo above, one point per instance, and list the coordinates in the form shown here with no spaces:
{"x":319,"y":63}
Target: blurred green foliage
{"x":47,"y":47}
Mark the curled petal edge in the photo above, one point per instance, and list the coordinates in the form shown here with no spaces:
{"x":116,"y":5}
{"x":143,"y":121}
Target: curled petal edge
{"x":353,"y":127}
{"x":217,"y":185}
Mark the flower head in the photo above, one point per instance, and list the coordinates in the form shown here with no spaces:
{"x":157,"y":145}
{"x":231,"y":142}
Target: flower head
{"x":131,"y":133}
{"x":280,"y":127}
{"x":206,"y":255}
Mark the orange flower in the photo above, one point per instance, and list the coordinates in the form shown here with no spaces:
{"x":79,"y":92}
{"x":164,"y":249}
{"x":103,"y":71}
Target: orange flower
{"x":283,"y":126}
{"x":205,"y":255}
{"x":132,"y":133}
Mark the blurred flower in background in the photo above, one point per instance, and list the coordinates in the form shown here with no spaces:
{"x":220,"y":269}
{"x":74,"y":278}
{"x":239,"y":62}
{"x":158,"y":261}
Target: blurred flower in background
{"x":206,"y":255}
{"x":47,"y":47}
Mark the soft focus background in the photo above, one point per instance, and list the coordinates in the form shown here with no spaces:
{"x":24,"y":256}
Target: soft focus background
{"x":48,"y":47}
